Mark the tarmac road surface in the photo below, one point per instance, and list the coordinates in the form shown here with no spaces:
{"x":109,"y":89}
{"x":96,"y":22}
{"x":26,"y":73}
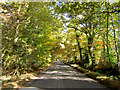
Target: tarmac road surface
{"x":63,"y":77}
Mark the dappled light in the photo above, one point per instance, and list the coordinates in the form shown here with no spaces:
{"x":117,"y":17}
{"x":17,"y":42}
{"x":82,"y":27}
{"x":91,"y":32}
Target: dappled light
{"x":62,"y":73}
{"x":63,"y":78}
{"x":60,"y":44}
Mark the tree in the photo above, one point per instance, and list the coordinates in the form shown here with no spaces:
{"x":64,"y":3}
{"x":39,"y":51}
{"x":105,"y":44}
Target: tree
{"x":28,"y":36}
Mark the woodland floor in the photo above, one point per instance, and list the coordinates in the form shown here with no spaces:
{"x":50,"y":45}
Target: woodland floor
{"x":61,"y":76}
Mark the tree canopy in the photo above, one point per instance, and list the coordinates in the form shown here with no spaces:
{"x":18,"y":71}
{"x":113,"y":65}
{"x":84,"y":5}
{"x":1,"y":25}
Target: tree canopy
{"x":35,"y":34}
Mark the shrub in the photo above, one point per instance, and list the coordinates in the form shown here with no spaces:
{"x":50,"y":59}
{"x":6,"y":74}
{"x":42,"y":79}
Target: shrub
{"x":93,"y":74}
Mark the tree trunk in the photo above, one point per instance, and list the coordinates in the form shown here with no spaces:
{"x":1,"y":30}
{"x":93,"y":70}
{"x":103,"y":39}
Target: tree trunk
{"x":107,"y":42}
{"x":75,"y":58}
{"x":119,"y":37}
{"x":90,"y":53}
{"x":1,"y":48}
{"x":90,"y":41}
{"x":104,"y":53}
{"x":116,"y":49}
{"x":80,"y":50}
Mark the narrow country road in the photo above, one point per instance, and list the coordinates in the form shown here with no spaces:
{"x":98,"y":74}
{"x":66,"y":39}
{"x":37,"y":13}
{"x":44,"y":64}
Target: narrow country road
{"x":61,"y":76}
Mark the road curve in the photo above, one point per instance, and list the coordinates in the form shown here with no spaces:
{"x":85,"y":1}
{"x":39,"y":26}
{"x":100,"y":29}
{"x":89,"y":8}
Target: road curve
{"x":61,"y":76}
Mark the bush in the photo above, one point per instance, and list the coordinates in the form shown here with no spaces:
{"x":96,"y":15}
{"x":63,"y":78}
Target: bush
{"x":81,"y":69}
{"x":113,"y":84}
{"x":93,"y":74}
{"x":107,"y":81}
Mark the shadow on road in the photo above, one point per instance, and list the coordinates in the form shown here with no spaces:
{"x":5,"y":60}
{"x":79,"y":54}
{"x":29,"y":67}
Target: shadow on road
{"x":65,"y":83}
{"x":61,"y":76}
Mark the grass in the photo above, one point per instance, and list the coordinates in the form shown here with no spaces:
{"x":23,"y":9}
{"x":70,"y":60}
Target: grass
{"x":105,"y":80}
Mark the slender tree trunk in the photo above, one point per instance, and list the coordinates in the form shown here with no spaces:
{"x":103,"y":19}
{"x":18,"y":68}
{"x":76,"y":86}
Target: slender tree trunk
{"x":80,"y":50}
{"x":75,"y":58}
{"x":107,"y":42}
{"x":116,"y":49}
{"x":119,"y":37}
{"x":1,"y":54}
{"x":104,"y":53}
{"x":118,"y":45}
{"x":90,"y":41}
{"x":90,"y":53}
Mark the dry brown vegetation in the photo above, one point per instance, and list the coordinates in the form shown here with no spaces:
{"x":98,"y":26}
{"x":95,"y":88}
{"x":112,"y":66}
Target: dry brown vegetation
{"x":107,"y":81}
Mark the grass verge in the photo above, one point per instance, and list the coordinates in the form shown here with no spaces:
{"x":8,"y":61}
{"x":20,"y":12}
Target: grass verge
{"x":104,"y":80}
{"x":19,"y":81}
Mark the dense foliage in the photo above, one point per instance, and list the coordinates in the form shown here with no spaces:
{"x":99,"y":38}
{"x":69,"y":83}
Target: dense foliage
{"x":29,"y":34}
{"x":35,"y":34}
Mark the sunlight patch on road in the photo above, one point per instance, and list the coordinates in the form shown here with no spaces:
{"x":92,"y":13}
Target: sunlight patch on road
{"x":52,"y":72}
{"x":57,"y":77}
{"x":30,"y":88}
{"x":74,"y":65}
{"x":35,"y":78}
{"x":64,"y":66}
{"x":61,"y":76}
